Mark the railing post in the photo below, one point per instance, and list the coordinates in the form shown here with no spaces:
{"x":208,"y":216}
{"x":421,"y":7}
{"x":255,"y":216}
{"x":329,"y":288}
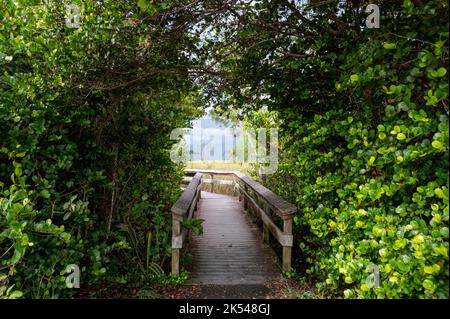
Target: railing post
{"x":183,"y":208}
{"x":287,"y":250}
{"x":176,"y":231}
{"x":212,"y":183}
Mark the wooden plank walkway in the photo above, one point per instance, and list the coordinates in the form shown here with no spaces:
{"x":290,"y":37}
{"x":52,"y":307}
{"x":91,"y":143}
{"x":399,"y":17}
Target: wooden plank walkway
{"x":230,"y":251}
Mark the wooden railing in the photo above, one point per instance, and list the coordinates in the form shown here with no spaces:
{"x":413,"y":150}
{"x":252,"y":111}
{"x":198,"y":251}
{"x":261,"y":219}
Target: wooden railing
{"x":263,"y":203}
{"x":183,"y":209}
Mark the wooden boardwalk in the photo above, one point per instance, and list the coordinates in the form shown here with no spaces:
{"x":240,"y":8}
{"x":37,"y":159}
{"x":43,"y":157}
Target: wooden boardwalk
{"x":230,"y":251}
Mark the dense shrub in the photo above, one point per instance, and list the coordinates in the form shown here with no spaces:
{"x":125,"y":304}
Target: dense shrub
{"x":367,"y":196}
{"x":85,"y":116}
{"x":85,"y":172}
{"x":369,"y":170}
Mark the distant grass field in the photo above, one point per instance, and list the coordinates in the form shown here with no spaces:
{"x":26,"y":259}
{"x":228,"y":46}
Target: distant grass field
{"x":219,"y":165}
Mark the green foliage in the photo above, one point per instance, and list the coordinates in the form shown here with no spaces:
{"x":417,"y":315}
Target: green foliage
{"x":174,"y":280}
{"x":195,"y":225}
{"x":366,"y":161}
{"x":85,"y":171}
{"x":86,"y":112}
{"x":24,"y":230}
{"x":366,"y":200}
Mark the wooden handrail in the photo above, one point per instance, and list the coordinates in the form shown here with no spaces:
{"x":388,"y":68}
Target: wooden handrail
{"x":277,"y":204}
{"x":257,"y":198}
{"x":263,"y":202}
{"x":181,"y":206}
{"x":183,"y":209}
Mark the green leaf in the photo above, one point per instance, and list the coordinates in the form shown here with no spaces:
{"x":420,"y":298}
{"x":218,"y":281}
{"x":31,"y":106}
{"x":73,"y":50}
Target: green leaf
{"x":348,"y":280}
{"x":431,"y":269}
{"x":15,"y":294}
{"x":18,"y":171}
{"x":354,"y":77}
{"x":439,"y":193}
{"x":389,"y":46}
{"x":45,"y":194}
{"x":142,"y":4}
{"x":438,"y":145}
{"x":19,"y":251}
{"x":429,"y":285}
{"x":441,"y":72}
